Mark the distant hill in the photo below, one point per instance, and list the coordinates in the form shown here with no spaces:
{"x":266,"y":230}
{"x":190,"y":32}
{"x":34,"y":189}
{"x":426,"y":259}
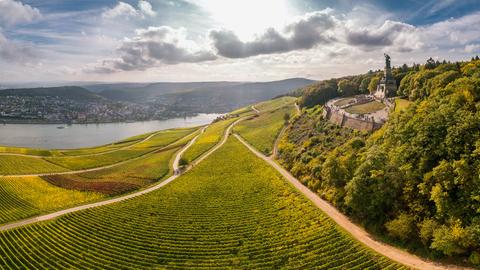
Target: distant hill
{"x":141,"y":92}
{"x":207,"y":97}
{"x":227,"y":98}
{"x":68,"y":92}
{"x":199,"y":96}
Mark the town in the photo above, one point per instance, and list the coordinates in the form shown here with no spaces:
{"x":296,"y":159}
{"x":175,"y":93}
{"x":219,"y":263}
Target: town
{"x":55,"y":109}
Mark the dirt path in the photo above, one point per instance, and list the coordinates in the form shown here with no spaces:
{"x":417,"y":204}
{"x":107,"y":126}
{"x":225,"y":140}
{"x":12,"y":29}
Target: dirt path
{"x":131,"y":195}
{"x":255,"y":109}
{"x":356,"y":231}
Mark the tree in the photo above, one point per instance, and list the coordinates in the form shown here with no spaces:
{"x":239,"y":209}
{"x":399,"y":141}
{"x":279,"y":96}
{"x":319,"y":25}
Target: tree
{"x":431,"y":64}
{"x":363,"y":88}
{"x":183,"y":162}
{"x":372,"y":86}
{"x":401,"y":227}
{"x":347,"y":87}
{"x":286,"y":117}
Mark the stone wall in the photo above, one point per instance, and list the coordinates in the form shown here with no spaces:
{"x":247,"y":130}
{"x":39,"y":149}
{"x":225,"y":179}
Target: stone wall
{"x":339,"y":118}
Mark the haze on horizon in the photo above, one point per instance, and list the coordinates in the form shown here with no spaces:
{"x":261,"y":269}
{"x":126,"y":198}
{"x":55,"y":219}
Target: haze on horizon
{"x":213,"y":40}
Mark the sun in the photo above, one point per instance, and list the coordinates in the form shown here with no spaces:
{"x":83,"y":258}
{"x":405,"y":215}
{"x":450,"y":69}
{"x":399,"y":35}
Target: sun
{"x":248,"y":17}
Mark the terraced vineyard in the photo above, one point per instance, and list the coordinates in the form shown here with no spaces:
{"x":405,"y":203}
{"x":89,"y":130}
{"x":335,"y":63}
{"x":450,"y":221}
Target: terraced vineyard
{"x":261,"y":131}
{"x":119,"y":179}
{"x":208,"y":139}
{"x":28,"y":196}
{"x":81,"y":159}
{"x":27,"y":165}
{"x":230,"y":211}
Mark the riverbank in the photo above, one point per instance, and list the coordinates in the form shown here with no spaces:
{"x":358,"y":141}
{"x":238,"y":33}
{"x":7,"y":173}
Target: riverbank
{"x":48,"y":136}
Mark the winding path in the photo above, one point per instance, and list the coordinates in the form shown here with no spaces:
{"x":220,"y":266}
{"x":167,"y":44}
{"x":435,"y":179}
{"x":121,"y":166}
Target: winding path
{"x":131,"y":195}
{"x":356,"y":231}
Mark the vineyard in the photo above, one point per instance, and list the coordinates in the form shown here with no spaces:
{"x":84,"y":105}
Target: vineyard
{"x":230,"y":211}
{"x":80,"y":159}
{"x":26,"y":165}
{"x":28,"y":196}
{"x":208,"y":139}
{"x":262,"y":130}
{"x":119,"y":179}
{"x":274,"y":104}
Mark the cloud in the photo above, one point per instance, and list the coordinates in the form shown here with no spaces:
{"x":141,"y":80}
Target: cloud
{"x":13,"y":12}
{"x":146,"y":8}
{"x":122,"y":9}
{"x":14,"y":52}
{"x":125,"y":10}
{"x":401,"y":36}
{"x":472,"y":48}
{"x":302,"y":34}
{"x":320,"y":28}
{"x":155,"y":46}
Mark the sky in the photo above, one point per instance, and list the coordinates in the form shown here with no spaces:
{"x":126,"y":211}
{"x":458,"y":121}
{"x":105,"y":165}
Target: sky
{"x":227,"y":40}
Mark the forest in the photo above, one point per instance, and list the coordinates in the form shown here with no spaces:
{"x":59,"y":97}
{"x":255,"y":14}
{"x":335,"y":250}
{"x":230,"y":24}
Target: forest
{"x":416,"y":181}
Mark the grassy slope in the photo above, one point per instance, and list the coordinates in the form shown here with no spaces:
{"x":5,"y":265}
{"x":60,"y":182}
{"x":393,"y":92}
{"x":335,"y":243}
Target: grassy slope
{"x":262,"y":131}
{"x":28,"y":196}
{"x":231,"y":211}
{"x":208,"y":139}
{"x":274,"y":103}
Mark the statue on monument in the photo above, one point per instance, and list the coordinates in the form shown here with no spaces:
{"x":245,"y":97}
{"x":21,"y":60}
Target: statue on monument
{"x":387,"y":60}
{"x":387,"y":85}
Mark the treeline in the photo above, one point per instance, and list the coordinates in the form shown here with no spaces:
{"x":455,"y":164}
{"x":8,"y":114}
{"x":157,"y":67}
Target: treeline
{"x":412,"y":81}
{"x":416,"y":180}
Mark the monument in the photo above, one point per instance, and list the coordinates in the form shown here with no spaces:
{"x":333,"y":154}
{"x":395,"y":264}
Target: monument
{"x":387,"y":87}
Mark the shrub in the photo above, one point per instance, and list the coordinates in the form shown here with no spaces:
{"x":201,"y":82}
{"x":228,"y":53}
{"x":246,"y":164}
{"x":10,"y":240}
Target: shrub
{"x":401,"y":227}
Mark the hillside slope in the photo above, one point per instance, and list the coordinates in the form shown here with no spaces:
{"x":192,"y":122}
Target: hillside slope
{"x":68,"y":92}
{"x":416,"y":180}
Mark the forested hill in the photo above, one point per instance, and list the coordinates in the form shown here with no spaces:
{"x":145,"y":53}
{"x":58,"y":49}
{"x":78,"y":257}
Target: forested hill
{"x":68,"y":92}
{"x":416,"y":180}
{"x":201,"y":96}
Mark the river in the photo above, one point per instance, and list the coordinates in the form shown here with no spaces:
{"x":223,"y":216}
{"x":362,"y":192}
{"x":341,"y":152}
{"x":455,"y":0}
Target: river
{"x":49,"y":136}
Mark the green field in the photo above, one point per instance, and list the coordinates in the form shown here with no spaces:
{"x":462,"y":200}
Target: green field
{"x":273,"y":104}
{"x":28,"y":196}
{"x":208,"y":139}
{"x":365,"y":108}
{"x":261,"y":131}
{"x":232,"y":211}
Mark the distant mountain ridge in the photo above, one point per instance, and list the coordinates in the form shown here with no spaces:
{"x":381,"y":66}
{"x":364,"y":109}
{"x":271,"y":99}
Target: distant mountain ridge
{"x":68,"y":92}
{"x":200,"y":97}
